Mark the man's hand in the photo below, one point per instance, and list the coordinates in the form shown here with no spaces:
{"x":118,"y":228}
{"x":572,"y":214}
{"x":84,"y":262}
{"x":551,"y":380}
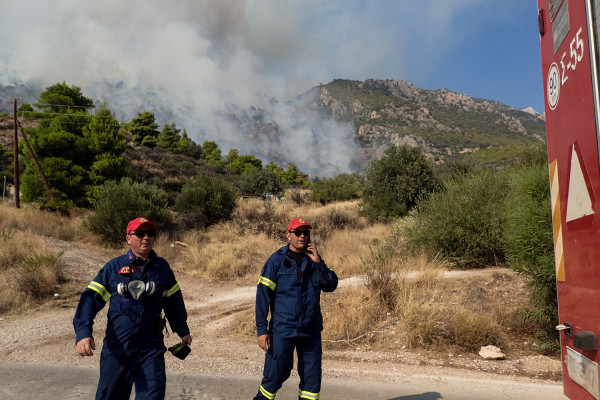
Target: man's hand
{"x":312,"y":253}
{"x":187,"y":339}
{"x":264,"y":342}
{"x":86,"y":346}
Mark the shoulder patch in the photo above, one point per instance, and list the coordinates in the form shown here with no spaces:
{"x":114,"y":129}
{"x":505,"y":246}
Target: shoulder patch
{"x":125,"y":270}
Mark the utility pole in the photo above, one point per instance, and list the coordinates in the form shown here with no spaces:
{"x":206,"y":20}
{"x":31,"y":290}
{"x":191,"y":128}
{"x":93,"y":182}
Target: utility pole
{"x":16,"y":158}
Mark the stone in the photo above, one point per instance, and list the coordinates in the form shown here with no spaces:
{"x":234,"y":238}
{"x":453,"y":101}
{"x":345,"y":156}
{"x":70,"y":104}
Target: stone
{"x":491,"y":353}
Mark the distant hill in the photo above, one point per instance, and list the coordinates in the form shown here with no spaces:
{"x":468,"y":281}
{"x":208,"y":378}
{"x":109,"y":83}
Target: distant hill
{"x":442,"y":122}
{"x":382,"y":113}
{"x":376,"y":113}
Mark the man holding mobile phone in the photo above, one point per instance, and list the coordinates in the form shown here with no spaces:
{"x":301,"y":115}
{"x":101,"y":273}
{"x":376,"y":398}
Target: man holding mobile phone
{"x":290,"y":286}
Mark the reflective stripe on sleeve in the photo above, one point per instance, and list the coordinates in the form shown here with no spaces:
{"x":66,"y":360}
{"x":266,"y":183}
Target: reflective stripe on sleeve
{"x":267,"y":282}
{"x":308,"y":395}
{"x":101,"y":290}
{"x":172,"y":291}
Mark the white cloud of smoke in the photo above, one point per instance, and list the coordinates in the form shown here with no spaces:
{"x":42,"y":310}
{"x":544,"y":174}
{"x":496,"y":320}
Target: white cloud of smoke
{"x":196,"y":58}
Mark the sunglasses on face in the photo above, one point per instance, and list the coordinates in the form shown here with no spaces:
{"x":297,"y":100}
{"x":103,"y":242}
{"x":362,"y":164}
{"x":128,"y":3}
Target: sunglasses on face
{"x":141,"y":234}
{"x":298,"y":233}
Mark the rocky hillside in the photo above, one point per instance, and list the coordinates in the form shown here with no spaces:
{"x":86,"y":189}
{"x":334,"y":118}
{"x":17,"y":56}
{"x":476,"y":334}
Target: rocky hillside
{"x":442,"y":122}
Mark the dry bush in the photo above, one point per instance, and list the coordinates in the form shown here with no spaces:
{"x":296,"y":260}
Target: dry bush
{"x":298,"y":196}
{"x":16,"y":246}
{"x":382,"y":280}
{"x":261,"y":216}
{"x":459,"y":312}
{"x":350,"y":317}
{"x":336,"y":217}
{"x":38,"y":275}
{"x":437,"y":325}
{"x":345,"y":250}
{"x":471,"y":330}
{"x":224,"y":252}
{"x":29,"y":272}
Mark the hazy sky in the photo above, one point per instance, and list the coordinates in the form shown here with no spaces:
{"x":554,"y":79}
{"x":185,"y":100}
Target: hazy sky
{"x":200,"y":55}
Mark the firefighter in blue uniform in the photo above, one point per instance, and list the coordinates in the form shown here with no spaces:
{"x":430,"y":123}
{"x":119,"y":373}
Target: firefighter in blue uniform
{"x":290,"y":288}
{"x":138,"y":287}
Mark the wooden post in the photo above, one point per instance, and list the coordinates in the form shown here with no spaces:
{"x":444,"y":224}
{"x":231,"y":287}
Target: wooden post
{"x":16,"y":158}
{"x":37,"y":164}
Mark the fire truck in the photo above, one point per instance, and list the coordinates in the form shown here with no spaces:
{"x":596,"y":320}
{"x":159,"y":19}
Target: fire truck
{"x":569,"y":43}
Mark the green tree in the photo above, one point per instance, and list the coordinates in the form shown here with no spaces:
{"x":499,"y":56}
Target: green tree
{"x":261,"y":181}
{"x":62,"y":98}
{"x":61,"y":150}
{"x":76,"y":151}
{"x":206,"y":200}
{"x":187,"y":147}
{"x":6,"y":164}
{"x":293,"y":176}
{"x":103,"y":133}
{"x":107,"y":142}
{"x":242,"y":164}
{"x":117,"y":203}
{"x":395,"y":182}
{"x":169,"y":137}
{"x":211,"y":153}
{"x":144,"y":129}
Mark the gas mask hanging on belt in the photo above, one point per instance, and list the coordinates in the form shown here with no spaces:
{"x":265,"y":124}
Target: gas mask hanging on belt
{"x":136,"y":288}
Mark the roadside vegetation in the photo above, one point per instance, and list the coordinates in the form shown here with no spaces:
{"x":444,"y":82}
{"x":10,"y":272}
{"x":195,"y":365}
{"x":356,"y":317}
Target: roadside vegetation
{"x":397,"y":231}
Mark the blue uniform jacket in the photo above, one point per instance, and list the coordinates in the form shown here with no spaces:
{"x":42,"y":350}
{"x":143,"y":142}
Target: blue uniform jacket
{"x":132,"y":325}
{"x":292,"y":293}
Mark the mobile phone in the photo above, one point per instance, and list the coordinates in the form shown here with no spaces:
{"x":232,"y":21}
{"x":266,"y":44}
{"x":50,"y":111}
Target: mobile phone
{"x":307,"y":243}
{"x":180,"y":350}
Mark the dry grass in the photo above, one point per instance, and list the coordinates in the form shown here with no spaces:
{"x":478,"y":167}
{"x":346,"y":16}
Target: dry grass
{"x":225,"y":253}
{"x":29,"y":218}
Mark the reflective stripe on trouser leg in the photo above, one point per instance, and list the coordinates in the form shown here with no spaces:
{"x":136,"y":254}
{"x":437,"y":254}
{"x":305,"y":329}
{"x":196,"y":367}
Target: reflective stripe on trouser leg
{"x":265,"y":393}
{"x":279,"y":361}
{"x":309,"y":366}
{"x":307,"y":395}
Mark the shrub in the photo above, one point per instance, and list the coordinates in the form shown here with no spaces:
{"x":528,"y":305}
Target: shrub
{"x":528,"y":237}
{"x":38,"y":274}
{"x":381,"y":278}
{"x":260,"y":216}
{"x":395,"y":182}
{"x":464,"y":222}
{"x":206,"y":200}
{"x":342,"y":187}
{"x":298,"y":196}
{"x":261,"y":181}
{"x":117,"y":203}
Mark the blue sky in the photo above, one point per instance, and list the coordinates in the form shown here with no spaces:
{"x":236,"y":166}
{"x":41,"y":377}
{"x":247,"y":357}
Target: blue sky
{"x":198,"y":57}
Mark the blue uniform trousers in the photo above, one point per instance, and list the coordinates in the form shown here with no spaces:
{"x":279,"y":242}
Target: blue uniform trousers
{"x":118,"y":373}
{"x":279,"y":362}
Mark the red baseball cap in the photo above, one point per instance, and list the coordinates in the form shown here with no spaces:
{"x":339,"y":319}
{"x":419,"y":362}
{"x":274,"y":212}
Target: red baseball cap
{"x":140,"y":221}
{"x":298,"y":223}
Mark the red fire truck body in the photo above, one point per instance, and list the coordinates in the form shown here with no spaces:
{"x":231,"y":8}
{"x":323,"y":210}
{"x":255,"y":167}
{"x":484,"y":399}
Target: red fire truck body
{"x":569,"y":32}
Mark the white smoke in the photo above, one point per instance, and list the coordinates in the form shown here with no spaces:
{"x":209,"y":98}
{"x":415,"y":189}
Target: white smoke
{"x":189,"y":61}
